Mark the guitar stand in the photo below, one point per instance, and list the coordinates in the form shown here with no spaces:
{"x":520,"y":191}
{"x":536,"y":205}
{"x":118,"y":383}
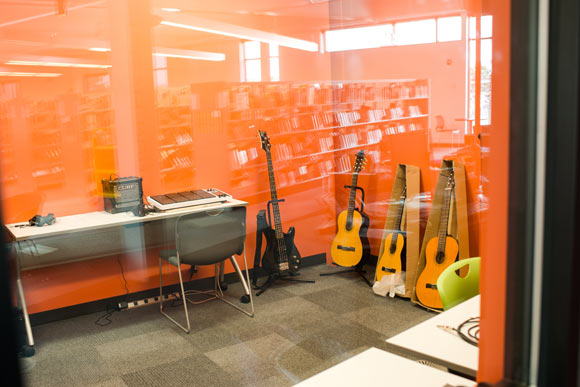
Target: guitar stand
{"x":359,"y":267}
{"x":272,"y":278}
{"x":362,"y":199}
{"x":356,"y":269}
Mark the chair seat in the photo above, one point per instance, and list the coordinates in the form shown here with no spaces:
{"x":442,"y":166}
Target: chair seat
{"x":454,"y":289}
{"x":208,"y":238}
{"x":170,"y":256}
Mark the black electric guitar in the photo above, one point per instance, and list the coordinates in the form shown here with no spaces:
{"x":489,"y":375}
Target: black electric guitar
{"x":281,"y":255}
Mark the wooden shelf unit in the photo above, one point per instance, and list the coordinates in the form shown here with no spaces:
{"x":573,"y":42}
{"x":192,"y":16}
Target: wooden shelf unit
{"x":313,"y":126}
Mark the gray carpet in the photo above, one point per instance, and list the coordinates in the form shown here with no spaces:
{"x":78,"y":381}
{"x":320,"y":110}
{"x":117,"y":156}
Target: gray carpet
{"x":298,"y":331}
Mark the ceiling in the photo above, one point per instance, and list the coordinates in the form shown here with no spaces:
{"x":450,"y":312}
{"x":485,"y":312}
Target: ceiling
{"x":31,"y":27}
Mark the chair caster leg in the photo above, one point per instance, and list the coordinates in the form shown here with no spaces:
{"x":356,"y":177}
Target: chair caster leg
{"x":27,"y":351}
{"x":245,"y":299}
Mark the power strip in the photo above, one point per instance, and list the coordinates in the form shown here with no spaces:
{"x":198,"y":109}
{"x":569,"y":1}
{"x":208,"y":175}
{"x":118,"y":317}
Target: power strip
{"x":152,"y":300}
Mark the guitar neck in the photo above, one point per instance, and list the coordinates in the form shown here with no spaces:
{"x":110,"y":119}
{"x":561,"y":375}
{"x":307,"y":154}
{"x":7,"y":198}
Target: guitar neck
{"x":399,"y":219}
{"x":444,"y":220}
{"x":352,"y":197}
{"x":276,"y":209}
{"x":400,"y":214}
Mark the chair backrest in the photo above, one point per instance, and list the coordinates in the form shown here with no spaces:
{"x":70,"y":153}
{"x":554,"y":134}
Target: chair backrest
{"x":454,"y":289}
{"x":209,"y":237}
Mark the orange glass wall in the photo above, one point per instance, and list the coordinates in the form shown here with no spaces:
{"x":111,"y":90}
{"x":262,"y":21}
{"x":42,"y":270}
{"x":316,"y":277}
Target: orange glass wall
{"x":61,"y":136}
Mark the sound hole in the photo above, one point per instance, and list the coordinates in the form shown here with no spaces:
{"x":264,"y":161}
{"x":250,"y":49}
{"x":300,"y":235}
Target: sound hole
{"x":440,"y":258}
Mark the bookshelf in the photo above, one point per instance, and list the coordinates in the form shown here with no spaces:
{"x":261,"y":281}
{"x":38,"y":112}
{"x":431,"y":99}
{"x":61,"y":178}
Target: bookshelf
{"x":175,"y":134}
{"x":7,"y":148}
{"x":314,"y":127}
{"x":96,"y":113}
{"x":47,"y":147}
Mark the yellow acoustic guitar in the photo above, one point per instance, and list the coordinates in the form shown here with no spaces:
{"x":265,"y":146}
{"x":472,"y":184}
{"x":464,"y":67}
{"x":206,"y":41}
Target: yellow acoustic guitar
{"x":347,"y":247}
{"x":390,"y":261}
{"x":441,"y":251}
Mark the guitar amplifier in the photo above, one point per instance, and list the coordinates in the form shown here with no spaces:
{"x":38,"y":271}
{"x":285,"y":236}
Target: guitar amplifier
{"x":122,"y":194}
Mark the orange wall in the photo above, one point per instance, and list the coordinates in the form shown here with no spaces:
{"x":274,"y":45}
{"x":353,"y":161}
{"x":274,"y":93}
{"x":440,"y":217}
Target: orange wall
{"x":86,"y":137}
{"x":313,"y":198}
{"x":494,"y":220}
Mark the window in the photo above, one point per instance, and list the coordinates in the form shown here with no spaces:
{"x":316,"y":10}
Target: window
{"x":251,"y":62}
{"x":274,"y":63}
{"x":449,"y":29}
{"x":359,"y":38}
{"x":485,"y":57}
{"x":160,"y":71}
{"x":252,"y":65}
{"x":444,"y":29}
{"x":415,"y":32}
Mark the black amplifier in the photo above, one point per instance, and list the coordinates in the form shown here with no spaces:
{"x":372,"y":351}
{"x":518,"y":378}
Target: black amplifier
{"x":122,"y":194}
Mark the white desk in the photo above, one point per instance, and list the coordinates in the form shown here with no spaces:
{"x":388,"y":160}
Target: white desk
{"x":89,"y":228}
{"x":101,"y":219}
{"x":429,"y":342}
{"x":375,"y":367}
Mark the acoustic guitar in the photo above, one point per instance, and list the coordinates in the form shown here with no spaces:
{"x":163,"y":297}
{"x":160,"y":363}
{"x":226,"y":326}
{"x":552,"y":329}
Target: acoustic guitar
{"x":347,"y":246}
{"x":281,"y":255}
{"x":441,"y":251}
{"x":390,"y":262}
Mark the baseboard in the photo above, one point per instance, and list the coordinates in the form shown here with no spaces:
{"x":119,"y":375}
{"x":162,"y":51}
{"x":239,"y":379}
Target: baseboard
{"x":112,"y":302}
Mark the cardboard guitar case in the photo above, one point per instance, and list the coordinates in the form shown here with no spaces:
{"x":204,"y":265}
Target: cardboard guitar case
{"x":409,"y":176}
{"x":457,"y":227}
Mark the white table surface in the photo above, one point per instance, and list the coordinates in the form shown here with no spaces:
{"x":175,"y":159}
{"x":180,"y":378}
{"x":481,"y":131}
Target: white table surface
{"x":68,"y":225}
{"x":101,"y":219}
{"x":431,"y":343}
{"x":375,"y":367}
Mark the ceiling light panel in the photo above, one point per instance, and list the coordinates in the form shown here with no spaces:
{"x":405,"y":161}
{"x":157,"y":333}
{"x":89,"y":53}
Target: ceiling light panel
{"x":21,"y":74}
{"x":194,"y":23}
{"x":56,"y":64}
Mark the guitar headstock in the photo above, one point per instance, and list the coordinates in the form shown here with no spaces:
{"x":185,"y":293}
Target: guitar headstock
{"x":451,"y":180}
{"x":404,"y":193}
{"x":360,"y":161}
{"x":264,"y":140}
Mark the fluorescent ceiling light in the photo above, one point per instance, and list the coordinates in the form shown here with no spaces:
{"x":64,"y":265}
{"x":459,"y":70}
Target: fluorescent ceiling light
{"x":217,"y":57}
{"x":177,"y":53}
{"x":194,"y":23}
{"x":17,"y":74}
{"x":171,"y":9}
{"x":56,"y":64}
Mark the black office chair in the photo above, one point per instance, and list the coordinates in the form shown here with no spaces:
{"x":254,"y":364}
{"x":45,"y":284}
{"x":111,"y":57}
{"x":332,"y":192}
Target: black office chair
{"x":208,"y":238}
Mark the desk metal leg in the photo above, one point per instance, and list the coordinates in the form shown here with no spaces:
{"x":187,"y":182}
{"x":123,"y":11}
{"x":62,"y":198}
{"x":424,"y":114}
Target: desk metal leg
{"x":22,"y":300}
{"x":25,"y":312}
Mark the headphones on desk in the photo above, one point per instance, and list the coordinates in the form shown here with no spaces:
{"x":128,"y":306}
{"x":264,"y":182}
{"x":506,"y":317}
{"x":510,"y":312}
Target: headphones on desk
{"x":39,"y":220}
